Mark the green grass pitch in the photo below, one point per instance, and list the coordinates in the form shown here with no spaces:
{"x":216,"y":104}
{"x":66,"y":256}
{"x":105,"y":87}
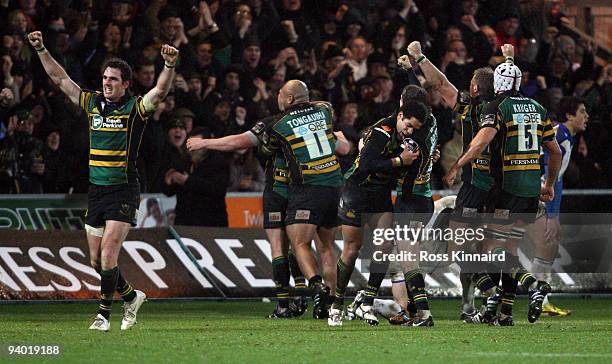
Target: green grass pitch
{"x":238,"y":332}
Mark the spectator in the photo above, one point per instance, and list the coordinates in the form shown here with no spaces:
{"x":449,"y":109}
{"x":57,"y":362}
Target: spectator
{"x":246,"y":174}
{"x":199,"y":181}
{"x":56,"y":177}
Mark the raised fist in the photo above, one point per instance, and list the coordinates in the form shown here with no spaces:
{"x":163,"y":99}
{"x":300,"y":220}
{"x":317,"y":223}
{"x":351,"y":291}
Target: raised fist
{"x":508,"y":50}
{"x":404,"y":62}
{"x":169,"y":54}
{"x":414,"y":49}
{"x":36,"y":40}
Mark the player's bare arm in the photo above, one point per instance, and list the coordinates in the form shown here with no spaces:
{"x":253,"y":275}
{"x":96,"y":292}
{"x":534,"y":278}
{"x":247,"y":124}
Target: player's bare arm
{"x":226,"y":144}
{"x":164,"y":82}
{"x":434,"y":76}
{"x":57,"y":74}
{"x":478,"y":144}
{"x":343,"y":146}
{"x":554,"y":165}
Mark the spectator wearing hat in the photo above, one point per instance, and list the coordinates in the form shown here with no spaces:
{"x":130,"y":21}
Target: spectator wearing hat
{"x":56,"y":177}
{"x":296,"y":29}
{"x":199,"y":181}
{"x":144,"y":77}
{"x":172,"y":151}
{"x":337,"y":72}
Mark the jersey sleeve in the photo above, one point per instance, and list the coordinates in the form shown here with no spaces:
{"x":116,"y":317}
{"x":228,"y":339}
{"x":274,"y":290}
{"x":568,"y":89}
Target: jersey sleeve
{"x":141,"y":109}
{"x":548,"y":133}
{"x":85,"y":97}
{"x":371,"y":158}
{"x":491,"y":116}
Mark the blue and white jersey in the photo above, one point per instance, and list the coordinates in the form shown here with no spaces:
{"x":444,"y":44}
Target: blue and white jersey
{"x":566,"y":142}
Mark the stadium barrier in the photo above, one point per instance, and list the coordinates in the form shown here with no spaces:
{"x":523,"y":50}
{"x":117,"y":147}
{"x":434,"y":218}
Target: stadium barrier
{"x":194,"y":262}
{"x":44,"y":254}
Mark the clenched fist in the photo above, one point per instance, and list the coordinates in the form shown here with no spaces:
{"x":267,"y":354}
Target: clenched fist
{"x":36,"y":40}
{"x":169,"y":54}
{"x":414,"y":49}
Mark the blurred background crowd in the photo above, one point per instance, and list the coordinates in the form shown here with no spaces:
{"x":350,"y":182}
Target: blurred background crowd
{"x":235,"y":56}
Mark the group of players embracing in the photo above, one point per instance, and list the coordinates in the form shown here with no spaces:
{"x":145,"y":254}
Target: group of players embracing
{"x":306,"y":194}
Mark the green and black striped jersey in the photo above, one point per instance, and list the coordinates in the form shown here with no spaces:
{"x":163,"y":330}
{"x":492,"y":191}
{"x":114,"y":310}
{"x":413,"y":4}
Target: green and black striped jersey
{"x":277,"y":173}
{"x":372,"y":169}
{"x":114,"y":138}
{"x":305,"y":134}
{"x":476,"y":173}
{"x":523,"y":126}
{"x":416,"y":178}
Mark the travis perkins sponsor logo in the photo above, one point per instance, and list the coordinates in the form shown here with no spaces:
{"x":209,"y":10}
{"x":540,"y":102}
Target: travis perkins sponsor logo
{"x":101,"y":122}
{"x":305,"y":119}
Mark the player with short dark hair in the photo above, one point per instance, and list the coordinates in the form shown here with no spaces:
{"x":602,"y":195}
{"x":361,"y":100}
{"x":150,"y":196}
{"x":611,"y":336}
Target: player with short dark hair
{"x":546,"y":232}
{"x":366,"y":197}
{"x":116,"y":124}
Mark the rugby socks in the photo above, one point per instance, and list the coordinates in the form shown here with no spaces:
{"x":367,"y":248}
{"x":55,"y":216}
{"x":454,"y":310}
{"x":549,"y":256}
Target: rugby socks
{"x":415,"y":282}
{"x":343,"y":272}
{"x":298,"y":276}
{"x":108,"y":285}
{"x":411,"y":307}
{"x":378,"y":270}
{"x":280,"y":274}
{"x":526,"y":279}
{"x":485,"y":284}
{"x":541,"y":265}
{"x":509,"y":285}
{"x":124,"y":288}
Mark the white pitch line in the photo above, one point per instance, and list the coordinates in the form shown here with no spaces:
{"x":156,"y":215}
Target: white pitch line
{"x":548,"y":355}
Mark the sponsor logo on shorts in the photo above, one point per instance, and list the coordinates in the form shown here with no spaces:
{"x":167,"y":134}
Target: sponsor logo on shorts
{"x":469,"y":212}
{"x":274,"y":216}
{"x":502,"y":214}
{"x":351,"y":214}
{"x":125,"y":209}
{"x":302,"y":214}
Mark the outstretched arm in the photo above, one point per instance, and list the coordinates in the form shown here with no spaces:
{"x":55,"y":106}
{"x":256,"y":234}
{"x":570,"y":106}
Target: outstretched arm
{"x":434,"y":76}
{"x":164,"y":82}
{"x":226,"y":144}
{"x":54,"y":70}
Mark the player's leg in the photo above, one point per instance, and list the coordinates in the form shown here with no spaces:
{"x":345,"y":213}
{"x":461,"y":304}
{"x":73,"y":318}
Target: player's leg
{"x":546,"y":250}
{"x":352,"y":236}
{"x":280,"y":273}
{"x":300,"y":303}
{"x":324,"y":242}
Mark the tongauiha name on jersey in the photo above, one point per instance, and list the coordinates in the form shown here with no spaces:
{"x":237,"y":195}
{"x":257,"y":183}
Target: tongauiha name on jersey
{"x":305,"y":119}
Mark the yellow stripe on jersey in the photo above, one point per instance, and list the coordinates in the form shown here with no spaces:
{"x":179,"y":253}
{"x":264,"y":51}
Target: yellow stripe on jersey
{"x":321,"y":161}
{"x":510,"y":157}
{"x":108,"y":152}
{"x":301,"y":144}
{"x":321,"y":171}
{"x":515,"y":133}
{"x":107,"y":164}
{"x":528,"y":167}
{"x":110,"y":116}
{"x":111,"y":129}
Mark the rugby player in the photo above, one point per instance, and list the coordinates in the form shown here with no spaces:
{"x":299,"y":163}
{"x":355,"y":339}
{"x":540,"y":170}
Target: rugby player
{"x":477,"y":181}
{"x":366,"y":197}
{"x":575,"y":117}
{"x":303,"y":134}
{"x":116,"y":123}
{"x":516,"y":127}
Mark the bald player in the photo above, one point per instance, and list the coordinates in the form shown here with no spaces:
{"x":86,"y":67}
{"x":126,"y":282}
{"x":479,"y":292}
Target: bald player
{"x":303,"y":133}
